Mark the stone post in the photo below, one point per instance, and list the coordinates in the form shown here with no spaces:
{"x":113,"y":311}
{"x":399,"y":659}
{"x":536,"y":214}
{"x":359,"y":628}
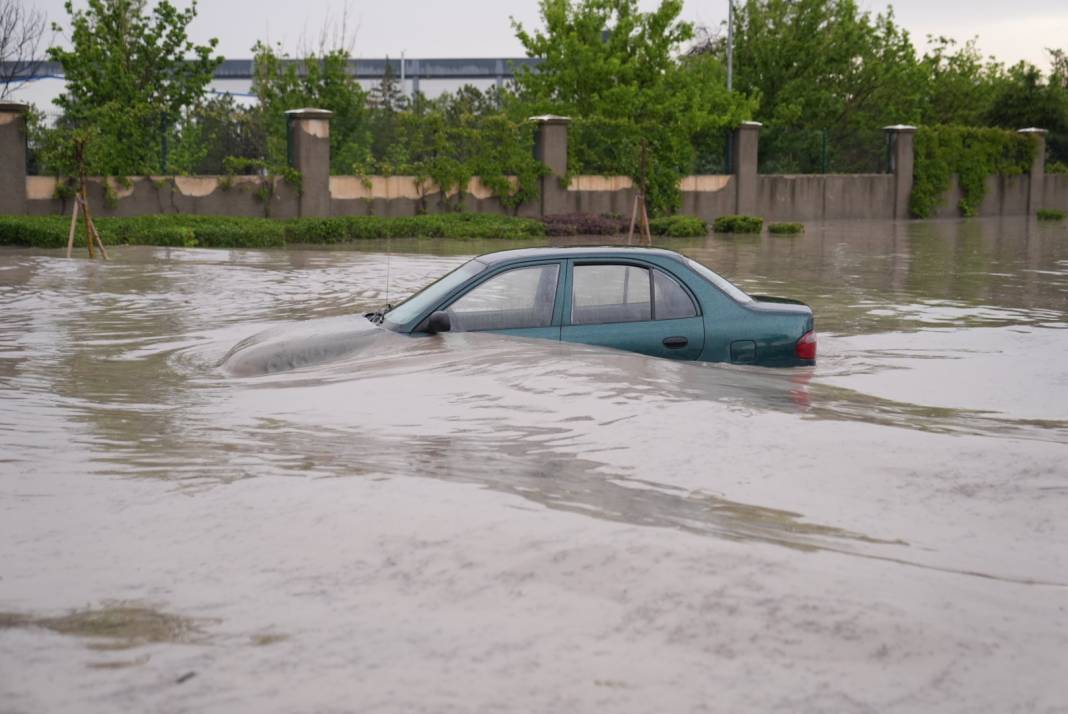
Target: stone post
{"x":550,"y":148}
{"x":13,"y":159}
{"x":744,"y":157}
{"x":309,"y":153}
{"x":1038,"y":170}
{"x":900,"y":140}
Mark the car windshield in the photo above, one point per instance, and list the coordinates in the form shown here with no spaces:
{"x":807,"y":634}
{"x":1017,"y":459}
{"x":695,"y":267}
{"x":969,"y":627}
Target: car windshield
{"x":720,"y":282}
{"x":432,"y":294}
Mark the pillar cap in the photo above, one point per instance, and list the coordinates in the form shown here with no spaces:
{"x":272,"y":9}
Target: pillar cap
{"x":1033,"y":130}
{"x":750,"y":125}
{"x":901,"y":128}
{"x":13,"y":108}
{"x":308,"y":113}
{"x":550,"y":119}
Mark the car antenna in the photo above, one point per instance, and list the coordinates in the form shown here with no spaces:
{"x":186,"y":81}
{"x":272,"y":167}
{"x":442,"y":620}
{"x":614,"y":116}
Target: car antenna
{"x":389,"y":260}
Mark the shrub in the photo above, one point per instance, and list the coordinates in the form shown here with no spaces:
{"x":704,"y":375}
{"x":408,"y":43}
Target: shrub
{"x":678,"y":227}
{"x":1057,"y":167}
{"x":786,"y":228}
{"x":972,"y":154}
{"x":1051,"y":214}
{"x":738,"y":224}
{"x":584,"y":224}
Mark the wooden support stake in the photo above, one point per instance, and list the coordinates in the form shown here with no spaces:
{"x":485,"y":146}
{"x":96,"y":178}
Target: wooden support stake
{"x":100,"y":243}
{"x":73,"y":225}
{"x":646,"y":232}
{"x":88,"y":222}
{"x":633,"y":217}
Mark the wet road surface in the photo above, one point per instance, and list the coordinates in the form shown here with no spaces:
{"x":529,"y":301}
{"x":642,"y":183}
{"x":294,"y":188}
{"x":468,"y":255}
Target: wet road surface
{"x":473,"y":523}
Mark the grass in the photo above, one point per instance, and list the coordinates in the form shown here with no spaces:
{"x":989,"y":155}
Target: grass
{"x":125,"y":624}
{"x":738,"y":224}
{"x":234,"y":232}
{"x":786,"y":228}
{"x":1051,"y":214}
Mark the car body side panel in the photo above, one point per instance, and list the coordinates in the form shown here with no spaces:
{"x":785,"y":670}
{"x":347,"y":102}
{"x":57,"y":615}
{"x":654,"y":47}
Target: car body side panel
{"x":646,"y":337}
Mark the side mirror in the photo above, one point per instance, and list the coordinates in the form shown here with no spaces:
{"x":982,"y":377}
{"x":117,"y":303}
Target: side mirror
{"x":439,"y":322}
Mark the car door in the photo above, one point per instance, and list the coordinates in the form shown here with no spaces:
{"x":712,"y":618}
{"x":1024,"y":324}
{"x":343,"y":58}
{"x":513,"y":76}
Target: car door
{"x":520,"y":301}
{"x":632,"y":306}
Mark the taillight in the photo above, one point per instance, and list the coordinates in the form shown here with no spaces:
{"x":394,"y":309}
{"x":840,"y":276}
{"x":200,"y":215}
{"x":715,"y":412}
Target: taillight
{"x":806,"y":346}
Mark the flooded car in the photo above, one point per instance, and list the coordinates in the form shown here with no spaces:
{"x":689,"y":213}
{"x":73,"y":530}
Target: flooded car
{"x":651,"y":301}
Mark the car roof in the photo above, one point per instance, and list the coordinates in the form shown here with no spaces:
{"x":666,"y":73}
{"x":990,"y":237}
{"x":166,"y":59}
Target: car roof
{"x":608,"y":251}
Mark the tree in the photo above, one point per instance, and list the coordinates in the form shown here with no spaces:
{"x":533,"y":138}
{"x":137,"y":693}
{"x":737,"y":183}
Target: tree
{"x":130,"y":75}
{"x":388,"y":95}
{"x":1025,"y":99}
{"x":213,"y":131}
{"x":618,"y":72}
{"x":823,"y":65}
{"x":320,"y":81}
{"x":385,"y":100}
{"x":21,"y":31}
{"x":959,"y":85}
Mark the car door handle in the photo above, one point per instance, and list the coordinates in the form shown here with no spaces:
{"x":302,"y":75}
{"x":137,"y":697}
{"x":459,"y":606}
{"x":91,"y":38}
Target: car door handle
{"x":675,"y":343}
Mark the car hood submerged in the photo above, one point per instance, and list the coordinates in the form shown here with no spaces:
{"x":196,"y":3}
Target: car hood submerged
{"x":302,"y":344}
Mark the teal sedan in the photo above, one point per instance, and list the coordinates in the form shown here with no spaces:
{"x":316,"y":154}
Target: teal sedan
{"x":656,"y":302}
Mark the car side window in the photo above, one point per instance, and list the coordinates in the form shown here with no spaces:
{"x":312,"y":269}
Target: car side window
{"x":610,"y":293}
{"x":523,"y":297}
{"x":670,"y":299}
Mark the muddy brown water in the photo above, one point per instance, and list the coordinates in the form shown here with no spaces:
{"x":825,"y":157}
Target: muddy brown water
{"x":475,"y":523}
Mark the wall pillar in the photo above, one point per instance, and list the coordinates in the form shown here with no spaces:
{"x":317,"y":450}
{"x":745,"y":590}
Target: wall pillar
{"x":309,"y":153}
{"x":900,"y":140}
{"x":550,"y":148}
{"x":1037,"y":177}
{"x":744,"y":158}
{"x":13,"y":159}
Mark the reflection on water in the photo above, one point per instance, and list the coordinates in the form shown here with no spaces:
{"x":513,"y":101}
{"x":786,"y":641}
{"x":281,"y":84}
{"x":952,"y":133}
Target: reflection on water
{"x":927,"y":443}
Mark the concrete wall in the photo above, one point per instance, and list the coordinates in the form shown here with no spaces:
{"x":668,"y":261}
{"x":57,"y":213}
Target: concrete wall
{"x":1055,"y":193}
{"x":1004,"y":196}
{"x":198,"y":195}
{"x":823,"y":197}
{"x":775,"y":198}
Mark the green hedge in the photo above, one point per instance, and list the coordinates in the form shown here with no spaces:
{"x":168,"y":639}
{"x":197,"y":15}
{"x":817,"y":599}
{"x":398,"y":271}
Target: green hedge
{"x":1051,"y":214}
{"x":678,"y":227}
{"x":972,"y":154}
{"x":738,"y":224}
{"x":786,"y":228}
{"x":232,"y":232}
{"x":443,"y":225}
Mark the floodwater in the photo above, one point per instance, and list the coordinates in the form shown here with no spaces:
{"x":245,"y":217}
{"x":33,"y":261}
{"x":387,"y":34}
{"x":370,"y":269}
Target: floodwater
{"x":470,"y":523}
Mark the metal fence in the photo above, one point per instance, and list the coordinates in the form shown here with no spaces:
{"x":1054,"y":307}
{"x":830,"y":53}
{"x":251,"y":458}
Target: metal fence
{"x":791,"y":150}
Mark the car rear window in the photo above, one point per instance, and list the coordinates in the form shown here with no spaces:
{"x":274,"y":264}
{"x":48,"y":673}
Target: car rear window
{"x":719,"y":281}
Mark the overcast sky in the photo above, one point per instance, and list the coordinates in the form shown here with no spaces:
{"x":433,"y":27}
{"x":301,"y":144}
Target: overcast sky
{"x":481,"y":28}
